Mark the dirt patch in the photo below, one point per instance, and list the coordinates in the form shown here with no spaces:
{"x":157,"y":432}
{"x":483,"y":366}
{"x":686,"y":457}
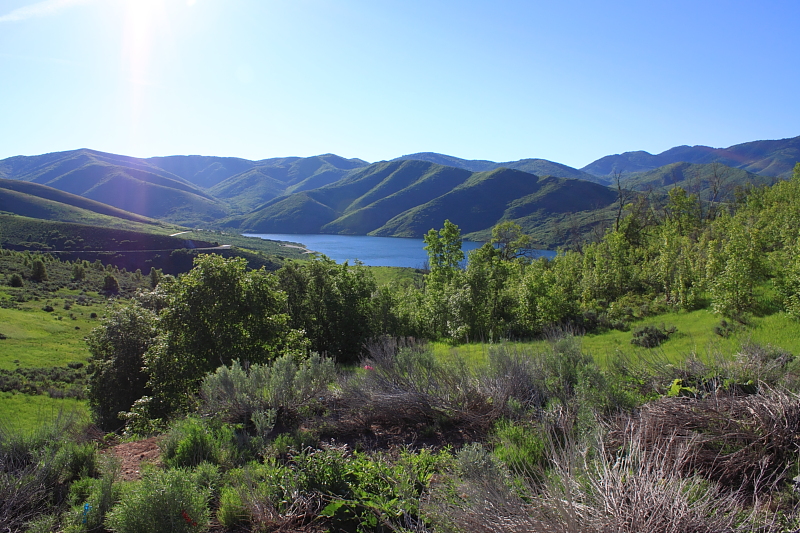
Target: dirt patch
{"x":133,"y":454}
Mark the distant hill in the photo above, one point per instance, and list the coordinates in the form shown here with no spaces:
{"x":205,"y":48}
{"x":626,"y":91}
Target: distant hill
{"x":272,"y":178}
{"x":406,"y":198}
{"x":767,"y":158}
{"x":540,"y":167}
{"x":695,"y":178}
{"x":403,"y":197}
{"x":209,"y":171}
{"x":127,"y":183}
{"x":33,"y":194}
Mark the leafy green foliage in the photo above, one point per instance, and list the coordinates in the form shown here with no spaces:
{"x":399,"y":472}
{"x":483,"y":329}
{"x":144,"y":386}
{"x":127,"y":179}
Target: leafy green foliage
{"x":333,"y":304}
{"x":277,"y":389}
{"x":217,"y":313}
{"x":161,"y":502}
{"x":118,"y":346}
{"x":190,"y":442}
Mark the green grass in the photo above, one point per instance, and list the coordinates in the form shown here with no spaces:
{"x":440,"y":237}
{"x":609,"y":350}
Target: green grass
{"x":38,"y":339}
{"x":694,"y":335}
{"x":24,"y":412}
{"x":400,"y":275}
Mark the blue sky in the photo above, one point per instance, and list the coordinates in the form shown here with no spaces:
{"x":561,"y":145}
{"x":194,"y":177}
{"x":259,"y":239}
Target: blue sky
{"x":568,"y":81}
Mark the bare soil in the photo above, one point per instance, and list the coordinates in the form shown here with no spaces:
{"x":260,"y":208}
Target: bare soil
{"x":133,"y":454}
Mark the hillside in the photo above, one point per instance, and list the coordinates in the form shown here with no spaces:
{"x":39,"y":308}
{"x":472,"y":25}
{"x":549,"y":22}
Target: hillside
{"x":540,"y":167}
{"x":331,"y":194}
{"x":774,"y":158}
{"x":272,"y":178}
{"x":405,"y":198}
{"x":41,"y":201}
{"x":127,"y":183}
{"x":695,"y":178}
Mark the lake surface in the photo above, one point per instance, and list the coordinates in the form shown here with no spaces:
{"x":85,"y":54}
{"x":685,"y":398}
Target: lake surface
{"x":372,"y":251}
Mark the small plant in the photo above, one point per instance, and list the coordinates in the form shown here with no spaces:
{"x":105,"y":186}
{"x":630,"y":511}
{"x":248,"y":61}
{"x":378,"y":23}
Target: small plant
{"x":162,"y":502}
{"x":521,"y":448}
{"x":651,"y":336}
{"x":232,"y":510}
{"x":15,"y":280}
{"x":190,"y":443}
{"x":725,"y":329}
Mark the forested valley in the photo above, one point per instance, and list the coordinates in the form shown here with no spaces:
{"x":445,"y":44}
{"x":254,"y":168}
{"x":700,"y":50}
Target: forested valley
{"x":313,"y":398}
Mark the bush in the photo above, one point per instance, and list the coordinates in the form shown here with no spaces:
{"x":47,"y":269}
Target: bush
{"x":651,"y":336}
{"x":38,"y":271}
{"x":110,"y":284}
{"x":520,"y":447}
{"x":93,"y":498}
{"x":232,"y":510}
{"x":15,"y":280}
{"x":266,"y":394}
{"x":167,"y":502}
{"x":33,"y":470}
{"x":190,"y":442}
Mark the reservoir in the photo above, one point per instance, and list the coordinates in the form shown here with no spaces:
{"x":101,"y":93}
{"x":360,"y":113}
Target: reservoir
{"x":372,"y":251}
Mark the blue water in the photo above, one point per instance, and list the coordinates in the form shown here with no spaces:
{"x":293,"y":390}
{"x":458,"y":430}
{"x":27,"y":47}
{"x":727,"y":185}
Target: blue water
{"x":372,"y":251}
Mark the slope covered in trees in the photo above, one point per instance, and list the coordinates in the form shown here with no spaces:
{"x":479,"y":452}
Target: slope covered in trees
{"x":768,"y":158}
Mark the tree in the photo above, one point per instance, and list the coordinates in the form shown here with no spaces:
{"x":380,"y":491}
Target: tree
{"x":332,"y":303}
{"x":510,"y":240}
{"x":116,"y":378}
{"x":155,"y":276}
{"x":444,"y":247}
{"x":110,"y":284}
{"x":217,"y":313}
{"x":78,"y":272}
{"x":38,"y":271}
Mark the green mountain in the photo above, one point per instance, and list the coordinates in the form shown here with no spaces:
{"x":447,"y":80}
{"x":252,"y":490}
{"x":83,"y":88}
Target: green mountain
{"x":272,"y":178}
{"x":540,"y":167}
{"x":406,"y":198}
{"x":695,"y":178}
{"x":127,"y":183}
{"x":45,"y":203}
{"x":775,"y":158}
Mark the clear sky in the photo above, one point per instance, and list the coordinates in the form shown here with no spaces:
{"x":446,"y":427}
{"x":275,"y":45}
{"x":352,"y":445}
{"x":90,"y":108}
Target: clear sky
{"x":569,"y":81}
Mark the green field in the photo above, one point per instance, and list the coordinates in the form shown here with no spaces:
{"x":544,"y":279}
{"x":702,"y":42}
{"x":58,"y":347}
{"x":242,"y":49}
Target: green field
{"x":35,"y":338}
{"x":25,"y":412}
{"x":694,"y":337}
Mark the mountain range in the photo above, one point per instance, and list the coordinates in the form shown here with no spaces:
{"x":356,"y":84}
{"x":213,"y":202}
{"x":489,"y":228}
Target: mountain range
{"x":403,"y":197}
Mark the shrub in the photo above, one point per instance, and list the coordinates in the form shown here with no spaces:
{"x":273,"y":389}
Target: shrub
{"x":161,"y":502}
{"x":266,"y":394}
{"x":33,"y":469}
{"x":93,"y":498}
{"x":15,"y":280}
{"x":520,"y":447}
{"x":405,"y":384}
{"x":741,"y":442}
{"x":110,"y":284}
{"x":597,"y":489}
{"x":651,"y":336}
{"x":190,"y":442}
{"x":232,"y":510}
